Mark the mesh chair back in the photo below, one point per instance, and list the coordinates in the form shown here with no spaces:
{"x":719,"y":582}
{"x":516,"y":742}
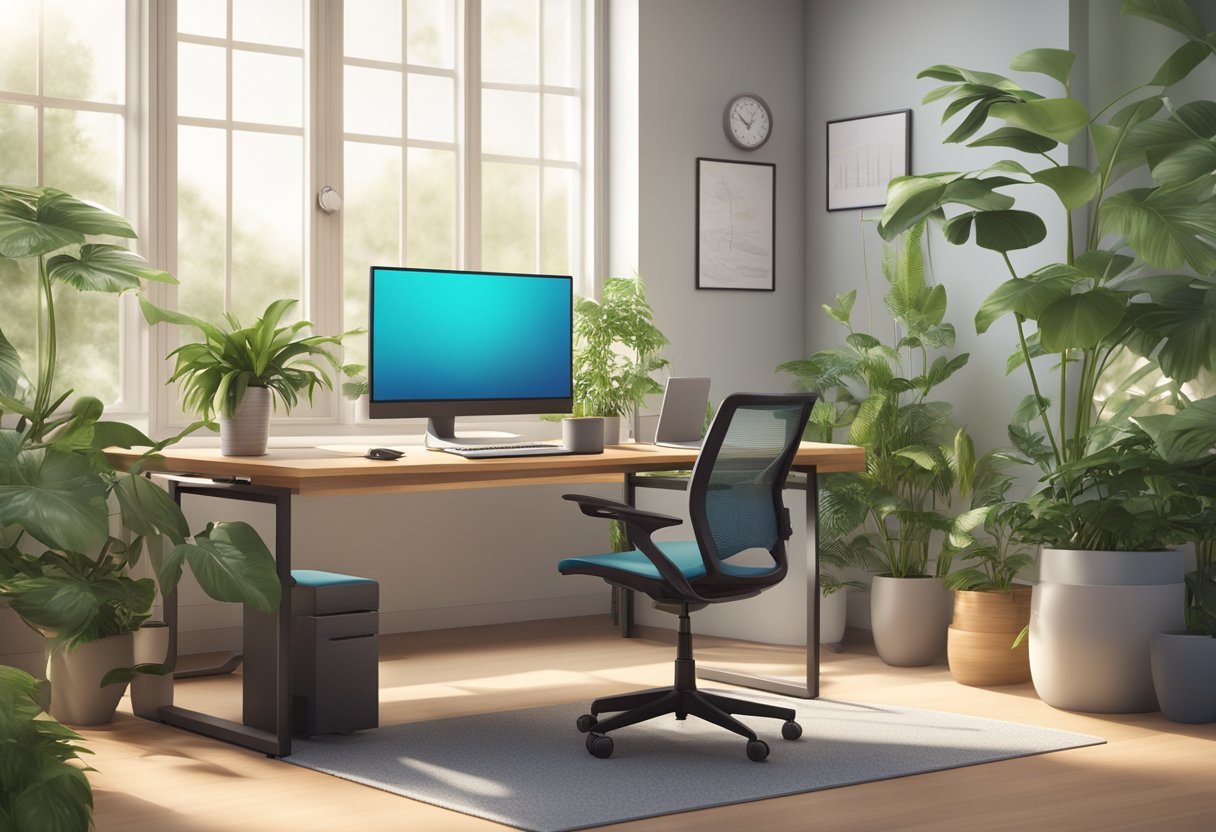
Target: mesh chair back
{"x":735,"y":493}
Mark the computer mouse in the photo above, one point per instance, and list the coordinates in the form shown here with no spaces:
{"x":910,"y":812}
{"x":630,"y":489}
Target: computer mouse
{"x":384,"y":453}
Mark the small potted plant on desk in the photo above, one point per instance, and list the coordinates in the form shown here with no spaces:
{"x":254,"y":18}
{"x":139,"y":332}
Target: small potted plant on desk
{"x":240,"y":371}
{"x":64,"y":569}
{"x":616,"y":354}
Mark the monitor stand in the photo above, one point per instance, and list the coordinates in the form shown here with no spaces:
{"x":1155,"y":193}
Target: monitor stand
{"x":441,"y":433}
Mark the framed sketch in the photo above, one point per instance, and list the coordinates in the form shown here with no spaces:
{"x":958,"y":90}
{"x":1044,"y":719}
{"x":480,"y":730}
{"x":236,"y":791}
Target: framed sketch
{"x":736,"y":228}
{"x":864,"y":154}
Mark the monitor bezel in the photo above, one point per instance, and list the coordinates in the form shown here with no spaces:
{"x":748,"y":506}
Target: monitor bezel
{"x":447,"y":408}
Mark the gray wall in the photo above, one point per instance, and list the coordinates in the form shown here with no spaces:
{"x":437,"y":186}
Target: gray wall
{"x":692,"y":57}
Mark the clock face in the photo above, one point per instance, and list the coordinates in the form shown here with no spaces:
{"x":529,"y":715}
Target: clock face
{"x":748,"y":121}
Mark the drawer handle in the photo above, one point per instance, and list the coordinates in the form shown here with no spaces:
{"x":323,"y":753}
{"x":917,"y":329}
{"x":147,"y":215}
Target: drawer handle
{"x":351,"y":638}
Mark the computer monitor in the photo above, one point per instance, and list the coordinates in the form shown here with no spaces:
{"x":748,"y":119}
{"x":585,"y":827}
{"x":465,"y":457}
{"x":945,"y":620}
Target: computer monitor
{"x":461,"y":343}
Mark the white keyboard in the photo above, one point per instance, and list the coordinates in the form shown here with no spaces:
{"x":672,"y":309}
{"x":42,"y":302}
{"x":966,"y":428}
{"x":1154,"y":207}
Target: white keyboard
{"x":516,"y":449}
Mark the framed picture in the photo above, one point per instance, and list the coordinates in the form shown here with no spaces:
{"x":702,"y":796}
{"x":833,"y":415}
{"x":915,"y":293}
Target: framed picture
{"x":736,"y":228}
{"x":864,"y":154}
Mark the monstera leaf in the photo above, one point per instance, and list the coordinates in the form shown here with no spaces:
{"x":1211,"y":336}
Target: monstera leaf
{"x":104,"y":268}
{"x":55,"y":496}
{"x":230,"y":562}
{"x":34,"y":222}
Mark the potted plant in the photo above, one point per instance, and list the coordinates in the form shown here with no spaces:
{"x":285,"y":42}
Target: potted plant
{"x":1102,"y":302}
{"x":985,"y":646}
{"x":1184,"y":663}
{"x":616,"y":354}
{"x":64,"y":567}
{"x":239,"y":371}
{"x":900,"y":500}
{"x":40,"y":786}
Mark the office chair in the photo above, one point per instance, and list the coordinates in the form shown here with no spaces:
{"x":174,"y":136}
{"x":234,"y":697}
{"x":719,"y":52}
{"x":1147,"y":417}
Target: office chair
{"x":734,"y":503}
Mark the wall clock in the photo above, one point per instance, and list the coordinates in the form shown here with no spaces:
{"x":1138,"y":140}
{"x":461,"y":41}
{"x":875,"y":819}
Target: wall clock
{"x":748,"y":121}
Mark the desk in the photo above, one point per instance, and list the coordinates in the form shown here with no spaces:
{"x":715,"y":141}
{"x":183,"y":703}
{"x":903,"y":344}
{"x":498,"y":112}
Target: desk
{"x":284,"y":473}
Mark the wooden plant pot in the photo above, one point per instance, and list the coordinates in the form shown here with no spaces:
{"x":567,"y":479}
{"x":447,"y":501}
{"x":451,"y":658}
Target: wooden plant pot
{"x":979,"y":644}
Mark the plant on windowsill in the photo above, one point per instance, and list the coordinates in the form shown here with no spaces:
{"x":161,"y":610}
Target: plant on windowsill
{"x":893,"y":508}
{"x":616,"y":353}
{"x":1107,"y":299}
{"x":40,"y":787}
{"x":63,"y":568}
{"x":238,"y":372}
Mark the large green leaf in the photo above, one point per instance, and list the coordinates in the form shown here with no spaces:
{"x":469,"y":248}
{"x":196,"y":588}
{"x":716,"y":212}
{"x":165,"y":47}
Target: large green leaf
{"x":1186,"y":435}
{"x":1024,"y":296}
{"x":59,"y":209}
{"x":1074,"y":185}
{"x":53,"y":495}
{"x":1060,"y":119}
{"x":147,"y":509}
{"x":1186,"y":163}
{"x":1186,"y":320}
{"x":104,"y":268}
{"x":1179,"y":65}
{"x":1166,"y":227}
{"x":11,"y":372}
{"x":1007,"y":231}
{"x":1054,"y":63}
{"x":1173,"y":14}
{"x":909,"y":200}
{"x":1080,"y":321}
{"x":231,"y":563}
{"x":1015,"y":138}
{"x":22,"y":235}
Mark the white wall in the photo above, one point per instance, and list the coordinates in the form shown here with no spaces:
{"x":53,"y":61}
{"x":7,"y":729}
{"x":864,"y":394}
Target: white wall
{"x":692,"y":57}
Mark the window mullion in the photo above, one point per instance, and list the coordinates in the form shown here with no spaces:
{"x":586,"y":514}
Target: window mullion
{"x":538,"y":256}
{"x":470,"y":192}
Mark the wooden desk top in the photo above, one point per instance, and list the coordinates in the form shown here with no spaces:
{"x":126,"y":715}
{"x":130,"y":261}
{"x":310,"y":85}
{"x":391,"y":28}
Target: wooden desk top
{"x":321,"y":471}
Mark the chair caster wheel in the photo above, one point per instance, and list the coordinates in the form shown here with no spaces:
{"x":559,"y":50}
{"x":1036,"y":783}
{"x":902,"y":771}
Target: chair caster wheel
{"x":586,"y":722}
{"x":599,"y":745}
{"x":757,"y":750}
{"x":791,"y":730}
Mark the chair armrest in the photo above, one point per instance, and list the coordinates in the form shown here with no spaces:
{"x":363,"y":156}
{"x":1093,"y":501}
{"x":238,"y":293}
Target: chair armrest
{"x":648,"y":521}
{"x":639,"y":526}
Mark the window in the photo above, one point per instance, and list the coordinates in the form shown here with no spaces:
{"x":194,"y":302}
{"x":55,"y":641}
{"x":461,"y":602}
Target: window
{"x":458,"y":133}
{"x":454,"y":131}
{"x":65,"y":109}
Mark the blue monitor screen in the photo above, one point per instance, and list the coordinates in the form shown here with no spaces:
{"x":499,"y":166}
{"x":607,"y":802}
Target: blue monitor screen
{"x":481,"y":339}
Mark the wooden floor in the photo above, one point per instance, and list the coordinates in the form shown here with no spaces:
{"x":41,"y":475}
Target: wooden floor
{"x":1152,"y":774}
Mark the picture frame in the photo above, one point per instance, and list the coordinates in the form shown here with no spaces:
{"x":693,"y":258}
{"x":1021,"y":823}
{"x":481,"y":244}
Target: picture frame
{"x":736,"y":229}
{"x":864,"y":153}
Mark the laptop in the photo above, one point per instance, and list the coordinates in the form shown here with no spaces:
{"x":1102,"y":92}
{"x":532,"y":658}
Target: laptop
{"x":682,"y":414}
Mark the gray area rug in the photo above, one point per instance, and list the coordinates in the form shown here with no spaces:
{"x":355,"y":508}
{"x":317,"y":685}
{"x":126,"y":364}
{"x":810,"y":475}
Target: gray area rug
{"x":530,"y":769}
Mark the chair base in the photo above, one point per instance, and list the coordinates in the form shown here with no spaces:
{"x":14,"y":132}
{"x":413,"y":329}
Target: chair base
{"x":682,"y":699}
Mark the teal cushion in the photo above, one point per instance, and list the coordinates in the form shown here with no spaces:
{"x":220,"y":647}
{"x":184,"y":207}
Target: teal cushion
{"x":313,"y":577}
{"x":685,"y":554}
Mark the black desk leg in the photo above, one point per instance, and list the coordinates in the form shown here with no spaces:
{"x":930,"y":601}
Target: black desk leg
{"x":278,"y":743}
{"x":624,"y":597}
{"x":809,"y":689}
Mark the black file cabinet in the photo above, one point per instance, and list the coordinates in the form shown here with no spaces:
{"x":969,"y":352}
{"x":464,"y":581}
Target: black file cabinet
{"x":335,"y":648}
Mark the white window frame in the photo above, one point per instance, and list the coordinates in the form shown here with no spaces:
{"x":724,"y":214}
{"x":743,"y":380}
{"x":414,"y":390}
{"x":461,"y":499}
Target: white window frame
{"x":322,"y":301}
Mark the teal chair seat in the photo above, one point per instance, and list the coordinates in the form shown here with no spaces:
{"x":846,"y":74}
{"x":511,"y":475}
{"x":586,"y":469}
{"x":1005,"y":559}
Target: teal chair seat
{"x":684,"y":554}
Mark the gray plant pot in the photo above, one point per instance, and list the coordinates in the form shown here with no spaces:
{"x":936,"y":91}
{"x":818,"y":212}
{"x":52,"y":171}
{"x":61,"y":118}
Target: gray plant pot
{"x":1092,"y":619}
{"x":77,"y":697}
{"x":246,"y":432}
{"x":583,"y":434}
{"x":1184,"y":676}
{"x":150,"y":693}
{"x":612,"y":430}
{"x":910,"y":617}
{"x":832,"y":609}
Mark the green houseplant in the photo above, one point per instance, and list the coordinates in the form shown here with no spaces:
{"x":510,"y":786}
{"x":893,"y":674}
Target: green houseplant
{"x":238,"y":371}
{"x":616,"y":352}
{"x":894,"y":506}
{"x":41,"y":787}
{"x":64,"y":568}
{"x":1104,"y":300}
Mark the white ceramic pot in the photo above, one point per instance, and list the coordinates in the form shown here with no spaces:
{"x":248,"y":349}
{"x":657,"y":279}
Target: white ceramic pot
{"x":149,"y":693}
{"x":910,"y":617}
{"x":1092,"y":619}
{"x":77,"y":697}
{"x":1184,"y":676}
{"x":832,"y":610}
{"x":246,"y":432}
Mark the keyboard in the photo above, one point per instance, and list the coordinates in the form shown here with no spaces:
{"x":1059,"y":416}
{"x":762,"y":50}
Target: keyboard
{"x":515,"y":449}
